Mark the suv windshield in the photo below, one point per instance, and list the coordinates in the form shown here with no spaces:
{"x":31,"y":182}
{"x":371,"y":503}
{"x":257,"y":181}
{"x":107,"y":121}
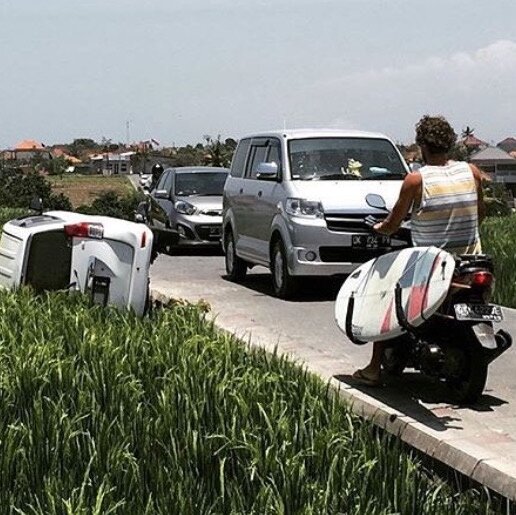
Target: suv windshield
{"x":344,"y":159}
{"x":199,"y":183}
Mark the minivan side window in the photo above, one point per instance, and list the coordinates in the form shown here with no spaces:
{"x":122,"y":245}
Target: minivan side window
{"x":257,"y":156}
{"x":274,"y":155}
{"x":238,"y":163}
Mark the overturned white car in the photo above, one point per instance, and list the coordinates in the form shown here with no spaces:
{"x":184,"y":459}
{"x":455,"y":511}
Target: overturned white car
{"x":105,"y":257}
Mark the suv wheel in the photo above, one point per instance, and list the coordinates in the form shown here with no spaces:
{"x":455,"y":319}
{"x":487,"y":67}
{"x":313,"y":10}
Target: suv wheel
{"x":285,"y":285}
{"x":236,"y":268}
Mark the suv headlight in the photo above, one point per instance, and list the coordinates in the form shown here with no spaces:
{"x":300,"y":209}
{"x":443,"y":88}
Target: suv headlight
{"x":302,"y":207}
{"x":185,"y":208}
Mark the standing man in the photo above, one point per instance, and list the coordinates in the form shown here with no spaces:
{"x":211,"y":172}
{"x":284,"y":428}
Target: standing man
{"x":445,"y":198}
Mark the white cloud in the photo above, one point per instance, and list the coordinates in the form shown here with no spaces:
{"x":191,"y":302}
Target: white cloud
{"x":474,"y":88}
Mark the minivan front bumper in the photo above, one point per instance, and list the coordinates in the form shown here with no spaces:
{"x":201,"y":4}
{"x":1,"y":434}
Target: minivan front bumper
{"x":316,"y":250}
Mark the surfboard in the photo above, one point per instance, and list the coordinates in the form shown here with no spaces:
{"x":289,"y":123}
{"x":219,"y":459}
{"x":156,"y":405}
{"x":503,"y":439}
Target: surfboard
{"x":423,"y":276}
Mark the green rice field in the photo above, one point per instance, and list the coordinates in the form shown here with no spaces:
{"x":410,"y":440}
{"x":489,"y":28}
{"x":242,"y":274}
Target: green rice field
{"x":498,"y":236}
{"x":104,"y":413}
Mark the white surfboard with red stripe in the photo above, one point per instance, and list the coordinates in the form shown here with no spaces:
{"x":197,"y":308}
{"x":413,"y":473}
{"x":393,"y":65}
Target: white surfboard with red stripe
{"x":424,"y":275}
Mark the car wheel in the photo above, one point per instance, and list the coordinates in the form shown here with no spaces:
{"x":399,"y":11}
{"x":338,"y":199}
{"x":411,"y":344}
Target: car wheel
{"x":285,"y":285}
{"x":236,"y":268}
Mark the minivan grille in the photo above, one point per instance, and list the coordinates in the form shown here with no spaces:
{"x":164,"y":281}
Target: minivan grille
{"x":349,"y":222}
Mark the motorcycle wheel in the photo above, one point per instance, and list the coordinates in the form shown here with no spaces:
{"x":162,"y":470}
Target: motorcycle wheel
{"x":467,"y":374}
{"x":395,"y":358}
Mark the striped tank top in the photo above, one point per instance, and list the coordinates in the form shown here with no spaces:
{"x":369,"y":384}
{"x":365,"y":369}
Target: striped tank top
{"x":448,"y":214}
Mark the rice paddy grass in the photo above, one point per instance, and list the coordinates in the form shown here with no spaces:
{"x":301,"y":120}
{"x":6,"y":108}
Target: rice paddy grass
{"x":102,"y":412}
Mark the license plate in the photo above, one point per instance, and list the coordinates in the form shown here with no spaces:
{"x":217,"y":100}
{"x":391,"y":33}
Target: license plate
{"x":370,"y":241}
{"x":478,"y":312}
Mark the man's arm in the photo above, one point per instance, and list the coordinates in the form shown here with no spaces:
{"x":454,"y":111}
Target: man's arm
{"x":477,"y":174}
{"x":409,"y":193}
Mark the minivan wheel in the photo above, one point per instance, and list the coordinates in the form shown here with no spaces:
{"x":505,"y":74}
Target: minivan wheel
{"x":236,"y":268}
{"x":285,"y":285}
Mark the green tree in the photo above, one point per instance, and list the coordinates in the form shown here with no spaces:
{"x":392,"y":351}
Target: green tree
{"x":110,"y":203}
{"x":17,"y":189}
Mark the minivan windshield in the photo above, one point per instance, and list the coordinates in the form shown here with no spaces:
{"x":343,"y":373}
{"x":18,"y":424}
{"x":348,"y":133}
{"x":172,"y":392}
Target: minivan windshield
{"x":344,"y":159}
{"x":199,"y":183}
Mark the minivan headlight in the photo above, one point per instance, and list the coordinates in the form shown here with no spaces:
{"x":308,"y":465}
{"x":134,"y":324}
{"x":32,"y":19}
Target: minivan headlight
{"x":185,"y":208}
{"x":302,"y":207}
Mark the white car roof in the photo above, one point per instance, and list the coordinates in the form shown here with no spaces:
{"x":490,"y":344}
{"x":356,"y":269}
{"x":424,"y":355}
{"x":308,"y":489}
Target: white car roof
{"x":317,"y":133}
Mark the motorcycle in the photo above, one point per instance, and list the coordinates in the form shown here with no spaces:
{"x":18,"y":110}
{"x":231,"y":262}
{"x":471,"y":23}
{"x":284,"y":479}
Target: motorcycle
{"x":457,"y":343}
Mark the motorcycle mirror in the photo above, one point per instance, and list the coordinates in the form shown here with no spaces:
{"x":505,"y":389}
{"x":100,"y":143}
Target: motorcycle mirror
{"x":376,"y":201}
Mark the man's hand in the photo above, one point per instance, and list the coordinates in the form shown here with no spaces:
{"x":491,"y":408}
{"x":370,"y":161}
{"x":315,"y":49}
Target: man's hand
{"x":379,"y":228}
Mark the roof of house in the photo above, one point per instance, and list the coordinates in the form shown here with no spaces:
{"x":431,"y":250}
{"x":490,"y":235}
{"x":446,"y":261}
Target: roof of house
{"x":58,"y":152}
{"x":509,"y":140}
{"x":473,"y":141}
{"x":29,"y":144}
{"x":492,"y":154}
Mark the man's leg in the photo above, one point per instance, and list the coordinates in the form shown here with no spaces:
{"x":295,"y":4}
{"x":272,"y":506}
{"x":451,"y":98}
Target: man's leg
{"x":371,"y":372}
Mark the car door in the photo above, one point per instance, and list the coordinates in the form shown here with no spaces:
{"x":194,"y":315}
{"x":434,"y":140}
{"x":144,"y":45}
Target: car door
{"x":263,"y":198}
{"x":234,"y":187}
{"x":269,"y":193}
{"x":248,"y":245}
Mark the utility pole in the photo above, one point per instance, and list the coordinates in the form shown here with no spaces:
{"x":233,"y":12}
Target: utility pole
{"x":127,"y":139}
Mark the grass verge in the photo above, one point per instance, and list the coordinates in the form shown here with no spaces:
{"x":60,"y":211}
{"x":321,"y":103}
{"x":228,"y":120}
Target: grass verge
{"x":499,"y":240}
{"x":103,"y":412}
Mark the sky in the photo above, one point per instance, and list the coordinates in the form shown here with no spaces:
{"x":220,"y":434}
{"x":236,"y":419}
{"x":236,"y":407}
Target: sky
{"x":176,"y":70}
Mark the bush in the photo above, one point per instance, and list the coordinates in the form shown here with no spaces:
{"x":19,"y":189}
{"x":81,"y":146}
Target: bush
{"x":9,"y":213}
{"x":17,"y":189}
{"x":110,"y":203}
{"x":496,"y":200}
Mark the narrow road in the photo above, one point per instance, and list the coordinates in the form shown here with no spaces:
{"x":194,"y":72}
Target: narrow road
{"x":305,"y":328}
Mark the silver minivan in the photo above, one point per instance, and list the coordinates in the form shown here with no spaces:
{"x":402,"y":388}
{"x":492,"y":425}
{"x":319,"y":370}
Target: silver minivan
{"x":294,"y":202}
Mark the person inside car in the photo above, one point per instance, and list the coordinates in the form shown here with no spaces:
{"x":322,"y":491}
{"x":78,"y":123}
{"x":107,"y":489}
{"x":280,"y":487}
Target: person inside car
{"x":445,"y":199}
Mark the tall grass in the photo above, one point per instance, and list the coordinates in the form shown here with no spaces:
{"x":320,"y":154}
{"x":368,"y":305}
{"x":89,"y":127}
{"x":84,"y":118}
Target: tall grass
{"x":499,"y":240}
{"x":102,"y":412}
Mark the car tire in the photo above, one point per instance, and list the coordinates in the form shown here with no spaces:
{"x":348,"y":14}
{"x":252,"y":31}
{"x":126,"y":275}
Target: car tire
{"x":236,"y":268}
{"x":284,"y":284}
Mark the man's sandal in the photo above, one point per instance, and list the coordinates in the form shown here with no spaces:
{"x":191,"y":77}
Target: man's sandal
{"x":362,"y":378}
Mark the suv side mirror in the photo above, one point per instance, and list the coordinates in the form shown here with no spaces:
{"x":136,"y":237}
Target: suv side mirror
{"x":376,"y":201}
{"x":267,"y":172}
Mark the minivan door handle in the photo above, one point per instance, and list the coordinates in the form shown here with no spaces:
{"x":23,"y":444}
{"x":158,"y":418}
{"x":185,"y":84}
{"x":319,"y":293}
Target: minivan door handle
{"x":241,"y":191}
{"x":259,"y":193}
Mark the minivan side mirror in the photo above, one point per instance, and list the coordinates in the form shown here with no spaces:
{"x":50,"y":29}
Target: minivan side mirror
{"x":376,"y":201}
{"x":267,"y":172}
{"x":161,"y":194}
